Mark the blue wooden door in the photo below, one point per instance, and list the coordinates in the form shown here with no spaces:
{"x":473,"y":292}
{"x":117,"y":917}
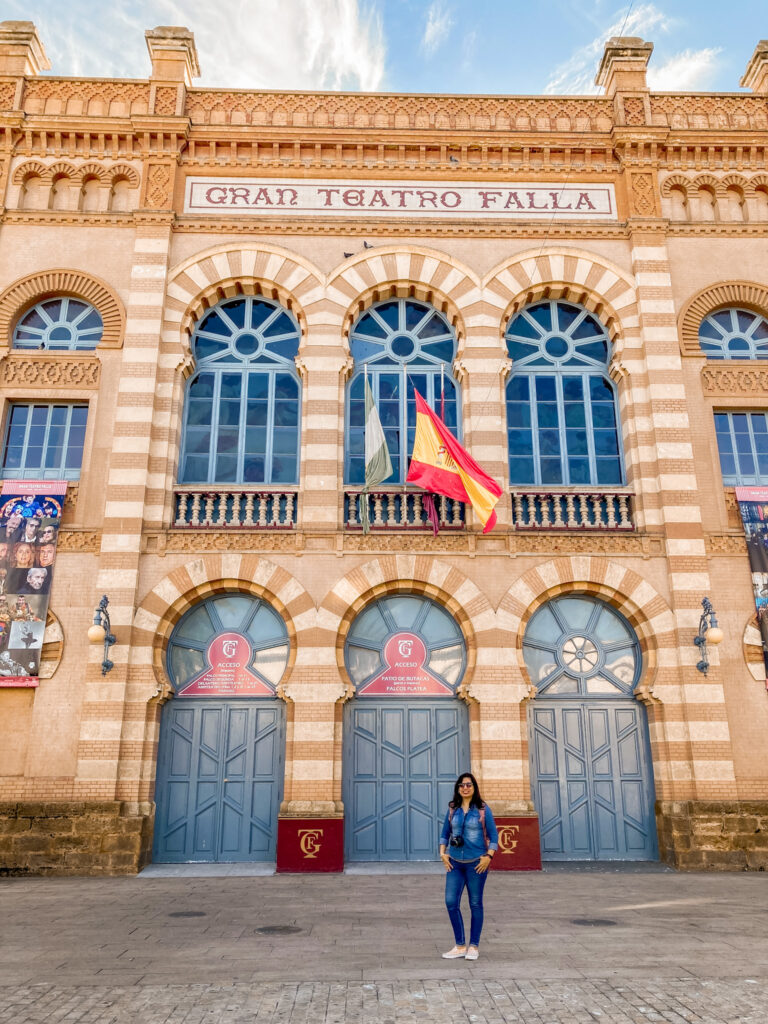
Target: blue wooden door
{"x":219,"y":780}
{"x":401,"y":760}
{"x":591,"y":779}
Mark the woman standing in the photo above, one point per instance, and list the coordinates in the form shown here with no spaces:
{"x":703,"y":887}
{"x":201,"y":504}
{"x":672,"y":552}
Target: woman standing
{"x":469,"y":833}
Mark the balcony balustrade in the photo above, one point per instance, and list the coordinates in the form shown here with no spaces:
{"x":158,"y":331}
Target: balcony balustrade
{"x":234,"y":508}
{"x":572,"y":510}
{"x":401,"y":510}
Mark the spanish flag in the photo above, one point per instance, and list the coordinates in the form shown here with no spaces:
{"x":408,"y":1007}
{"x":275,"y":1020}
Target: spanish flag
{"x":439,"y":464}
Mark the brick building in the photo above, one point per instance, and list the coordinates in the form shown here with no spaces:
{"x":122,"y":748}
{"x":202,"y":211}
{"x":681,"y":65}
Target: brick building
{"x":584,"y":280}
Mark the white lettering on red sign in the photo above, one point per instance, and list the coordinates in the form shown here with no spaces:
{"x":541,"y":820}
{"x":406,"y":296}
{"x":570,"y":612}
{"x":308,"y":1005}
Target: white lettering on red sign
{"x":521,"y":200}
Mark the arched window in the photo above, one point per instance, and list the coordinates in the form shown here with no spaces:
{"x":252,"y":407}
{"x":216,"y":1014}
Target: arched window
{"x":734,"y":334}
{"x":59,"y":324}
{"x":401,"y":342}
{"x":561,"y":406}
{"x":241,"y":416}
{"x":405,"y":645}
{"x":576,"y":645}
{"x":228,"y":646}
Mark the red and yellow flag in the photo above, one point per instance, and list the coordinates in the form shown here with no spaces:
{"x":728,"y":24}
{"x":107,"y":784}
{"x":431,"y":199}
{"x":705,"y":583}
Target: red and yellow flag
{"x":439,"y":464}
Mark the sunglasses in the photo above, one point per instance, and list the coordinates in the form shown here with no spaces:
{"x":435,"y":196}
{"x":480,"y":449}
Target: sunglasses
{"x":466,"y":785}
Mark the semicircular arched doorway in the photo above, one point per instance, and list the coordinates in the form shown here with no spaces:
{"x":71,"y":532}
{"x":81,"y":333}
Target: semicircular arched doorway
{"x":221,"y":755}
{"x":591,"y":768}
{"x":406,"y":734}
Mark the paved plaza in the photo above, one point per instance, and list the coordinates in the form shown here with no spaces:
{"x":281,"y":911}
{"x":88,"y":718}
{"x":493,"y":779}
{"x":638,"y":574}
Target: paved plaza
{"x":559,"y":947}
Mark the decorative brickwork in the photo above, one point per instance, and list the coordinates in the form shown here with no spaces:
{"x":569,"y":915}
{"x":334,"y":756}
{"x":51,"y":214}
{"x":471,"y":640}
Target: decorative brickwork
{"x":734,"y":380}
{"x":50,"y":371}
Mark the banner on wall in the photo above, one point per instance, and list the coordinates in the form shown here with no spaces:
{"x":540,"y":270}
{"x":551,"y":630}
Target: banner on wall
{"x":30,"y":516}
{"x":753,"y":505}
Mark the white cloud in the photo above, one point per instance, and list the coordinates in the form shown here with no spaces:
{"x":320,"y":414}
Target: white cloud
{"x":438,"y":27}
{"x":689,"y":70}
{"x":256,"y":44}
{"x":577,"y":74}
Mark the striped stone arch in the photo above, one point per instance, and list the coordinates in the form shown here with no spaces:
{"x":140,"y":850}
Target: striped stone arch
{"x":574,"y":275}
{"x":413,"y":574}
{"x":210,"y":574}
{"x":228,"y":270}
{"x":406,"y":271}
{"x":641,"y":604}
{"x":21,"y":295}
{"x":748,"y":294}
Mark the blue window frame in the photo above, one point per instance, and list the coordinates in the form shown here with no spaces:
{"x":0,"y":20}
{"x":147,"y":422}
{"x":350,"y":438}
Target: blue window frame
{"x":242,"y":414}
{"x":734,"y":334}
{"x":562,"y":424}
{"x":44,"y":442}
{"x":249,"y":617}
{"x":576,"y":646}
{"x":742,"y":440}
{"x":405,"y":344}
{"x":446,"y":655}
{"x":59,"y":324}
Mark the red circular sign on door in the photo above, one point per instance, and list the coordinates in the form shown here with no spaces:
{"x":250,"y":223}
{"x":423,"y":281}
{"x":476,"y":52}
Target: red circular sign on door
{"x":229,"y":655}
{"x":404,"y":674}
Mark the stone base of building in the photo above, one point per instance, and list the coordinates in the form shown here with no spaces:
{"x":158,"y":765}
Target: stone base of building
{"x":726,"y":835}
{"x":73,"y":838}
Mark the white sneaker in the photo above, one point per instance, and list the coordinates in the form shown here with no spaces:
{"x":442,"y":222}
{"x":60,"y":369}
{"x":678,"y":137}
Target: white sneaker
{"x":454,"y":954}
{"x":472,"y":953}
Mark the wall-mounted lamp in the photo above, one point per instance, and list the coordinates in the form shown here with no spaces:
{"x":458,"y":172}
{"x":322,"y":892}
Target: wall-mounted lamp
{"x":709,"y":633}
{"x":101,"y":633}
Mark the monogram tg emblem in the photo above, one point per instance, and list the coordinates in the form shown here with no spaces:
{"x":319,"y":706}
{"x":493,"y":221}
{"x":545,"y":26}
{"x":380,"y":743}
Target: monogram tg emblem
{"x":405,"y":647}
{"x":229,"y":647}
{"x":309,"y":842}
{"x":507,"y":842}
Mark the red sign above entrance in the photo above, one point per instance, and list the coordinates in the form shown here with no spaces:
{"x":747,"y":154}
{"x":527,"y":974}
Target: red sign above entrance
{"x":229,"y":655}
{"x":405,"y":675}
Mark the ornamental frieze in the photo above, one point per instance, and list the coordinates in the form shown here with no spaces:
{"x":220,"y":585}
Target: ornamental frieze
{"x":735,"y":381}
{"x":48,"y":371}
{"x":709,"y":112}
{"x":323,"y":110}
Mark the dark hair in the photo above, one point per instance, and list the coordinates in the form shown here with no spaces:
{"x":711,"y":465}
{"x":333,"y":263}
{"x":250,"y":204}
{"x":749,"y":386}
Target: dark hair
{"x":476,"y":800}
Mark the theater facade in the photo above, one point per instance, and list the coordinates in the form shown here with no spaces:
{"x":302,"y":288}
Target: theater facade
{"x":194,"y":286}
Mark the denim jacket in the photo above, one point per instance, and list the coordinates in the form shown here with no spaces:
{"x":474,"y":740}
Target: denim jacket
{"x":474,"y":841}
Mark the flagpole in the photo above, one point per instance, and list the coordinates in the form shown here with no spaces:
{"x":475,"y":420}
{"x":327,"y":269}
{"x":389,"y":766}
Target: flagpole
{"x":442,"y":392}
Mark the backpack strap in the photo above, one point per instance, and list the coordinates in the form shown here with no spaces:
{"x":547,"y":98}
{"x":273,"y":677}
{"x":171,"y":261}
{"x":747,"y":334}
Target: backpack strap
{"x":482,"y":822}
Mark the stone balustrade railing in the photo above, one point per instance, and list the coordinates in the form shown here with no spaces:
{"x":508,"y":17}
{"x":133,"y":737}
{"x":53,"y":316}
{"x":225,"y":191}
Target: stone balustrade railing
{"x":401,"y":510}
{"x":234,"y":508}
{"x":572,"y":510}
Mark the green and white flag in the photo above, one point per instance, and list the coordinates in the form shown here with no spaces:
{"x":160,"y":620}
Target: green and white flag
{"x":378,"y":465}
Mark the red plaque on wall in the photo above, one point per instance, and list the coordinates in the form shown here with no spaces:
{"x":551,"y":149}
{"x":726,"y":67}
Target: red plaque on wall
{"x":229,"y":675}
{"x":405,"y":674}
{"x":310,"y":844}
{"x":519,"y":844}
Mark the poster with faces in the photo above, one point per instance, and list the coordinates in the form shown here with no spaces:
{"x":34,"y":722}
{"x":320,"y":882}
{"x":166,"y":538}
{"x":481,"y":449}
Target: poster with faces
{"x":30,"y":517}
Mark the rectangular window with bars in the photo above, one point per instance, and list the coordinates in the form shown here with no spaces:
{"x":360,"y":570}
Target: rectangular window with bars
{"x":44,"y":442}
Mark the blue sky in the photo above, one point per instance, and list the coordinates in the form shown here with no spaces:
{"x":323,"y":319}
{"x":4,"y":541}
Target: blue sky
{"x":474,"y":46}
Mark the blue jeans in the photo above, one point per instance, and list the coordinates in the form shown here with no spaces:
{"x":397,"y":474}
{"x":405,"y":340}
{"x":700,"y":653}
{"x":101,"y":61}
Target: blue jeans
{"x":464,"y":875}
